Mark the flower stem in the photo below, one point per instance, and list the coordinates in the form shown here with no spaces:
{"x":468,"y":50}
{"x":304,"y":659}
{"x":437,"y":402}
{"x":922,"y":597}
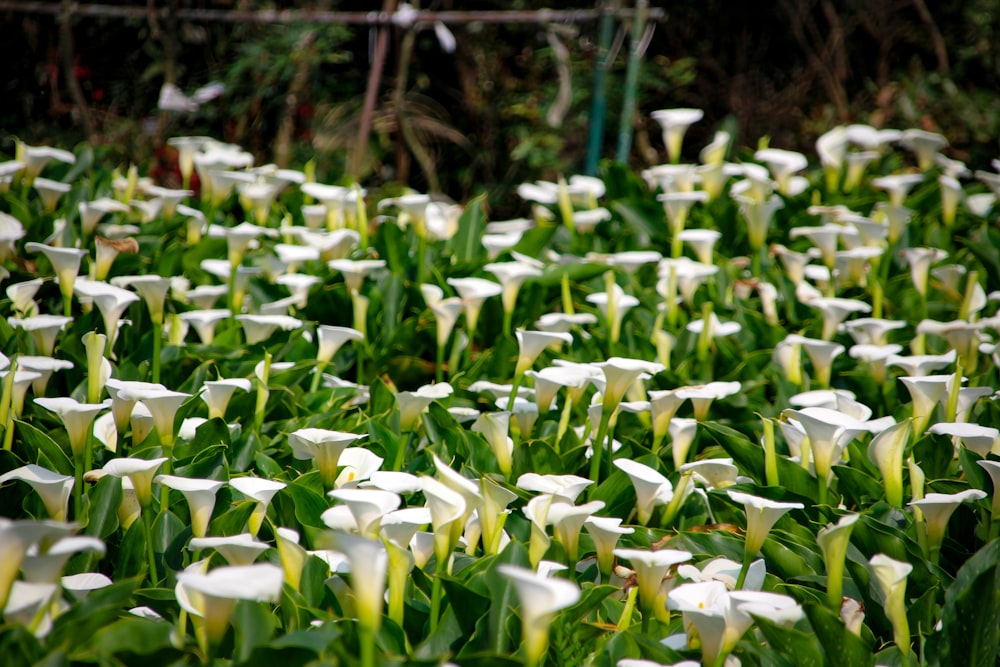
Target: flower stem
{"x":436,"y":591}
{"x":598,"y":447}
{"x":439,"y":364}
{"x":626,"y":618}
{"x":770,"y":454}
{"x":366,"y":638}
{"x":747,"y":561}
{"x":147,"y":525}
{"x":567,"y":295}
{"x":157,"y":350}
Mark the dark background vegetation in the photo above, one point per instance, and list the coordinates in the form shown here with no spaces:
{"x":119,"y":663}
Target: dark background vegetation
{"x":779,"y":70}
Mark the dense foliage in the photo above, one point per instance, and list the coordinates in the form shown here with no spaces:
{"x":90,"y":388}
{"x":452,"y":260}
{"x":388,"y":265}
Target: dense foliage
{"x":735,"y":412}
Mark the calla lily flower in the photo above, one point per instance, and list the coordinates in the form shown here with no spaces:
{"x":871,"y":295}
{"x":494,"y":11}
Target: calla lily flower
{"x":47,"y":567}
{"x":650,"y":568}
{"x":494,"y":427}
{"x":727,"y":571}
{"x":651,"y":488}
{"x":238,"y":550}
{"x":66,"y":264}
{"x":211,"y":597}
{"x":890,"y":576}
{"x":675,"y":123}
{"x":721,"y":618}
{"x":762,"y":514}
{"x":566,"y":488}
{"x":76,"y":417}
{"x":447,"y":507}
{"x":200,"y":495}
{"x":682,"y":433}
{"x":204,"y":321}
{"x":368,"y":506}
{"x":474,"y":292}
{"x":80,"y":585}
{"x":53,"y":488}
{"x":605,"y":531}
{"x":163,"y":404}
{"x":16,"y":538}
{"x":833,"y":540}
{"x":937,"y":509}
{"x":413,"y":403}
{"x":567,"y":520}
{"x":540,"y":597}
{"x":44,"y":329}
{"x":260,"y":491}
{"x":217,"y":394}
{"x":702,"y":396}
{"x":324,"y":446}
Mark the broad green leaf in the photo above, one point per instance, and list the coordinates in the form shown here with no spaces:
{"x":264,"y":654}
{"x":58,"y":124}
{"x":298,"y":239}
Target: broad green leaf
{"x":102,"y":507}
{"x":37,"y":441}
{"x":253,"y":625}
{"x":467,"y":244}
{"x":137,"y":637}
{"x":306,"y":503}
{"x":74,"y":629}
{"x":468,"y":604}
{"x":970,"y":633}
{"x":841,"y":646}
{"x":801,"y":648}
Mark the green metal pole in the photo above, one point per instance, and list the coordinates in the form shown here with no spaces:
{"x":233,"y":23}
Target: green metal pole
{"x":631,"y":80}
{"x":599,"y":104}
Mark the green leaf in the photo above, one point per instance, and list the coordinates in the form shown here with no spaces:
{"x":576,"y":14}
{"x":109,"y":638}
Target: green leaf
{"x":135,"y":636}
{"x":467,"y":243}
{"x":37,"y":441}
{"x":803,"y":649}
{"x":841,"y":646}
{"x":462,"y":598}
{"x":19,"y":647}
{"x":74,"y":629}
{"x":102,"y":507}
{"x":253,"y":625}
{"x":970,"y":633}
{"x":308,"y":504}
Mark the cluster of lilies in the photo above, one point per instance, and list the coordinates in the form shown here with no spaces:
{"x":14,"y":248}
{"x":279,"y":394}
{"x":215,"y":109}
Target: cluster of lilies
{"x":731,"y":408}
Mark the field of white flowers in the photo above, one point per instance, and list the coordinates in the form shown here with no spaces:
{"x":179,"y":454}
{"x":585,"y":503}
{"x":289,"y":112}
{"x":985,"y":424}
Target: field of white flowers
{"x":738,"y":411}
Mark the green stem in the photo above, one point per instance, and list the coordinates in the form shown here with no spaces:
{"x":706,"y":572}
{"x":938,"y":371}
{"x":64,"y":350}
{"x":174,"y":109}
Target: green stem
{"x":157,"y":349}
{"x":397,"y":464}
{"x":598,"y":447}
{"x":625,"y":619}
{"x":518,"y":378}
{"x":747,"y":561}
{"x":436,"y":591}
{"x":567,"y":295}
{"x":421,"y":257}
{"x":439,"y":364}
{"x":147,"y":525}
{"x":674,"y":506}
{"x":770,"y":454}
{"x":564,"y":420}
{"x":821,"y":489}
{"x":77,"y":488}
{"x":366,"y":639}
{"x":317,"y":376}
